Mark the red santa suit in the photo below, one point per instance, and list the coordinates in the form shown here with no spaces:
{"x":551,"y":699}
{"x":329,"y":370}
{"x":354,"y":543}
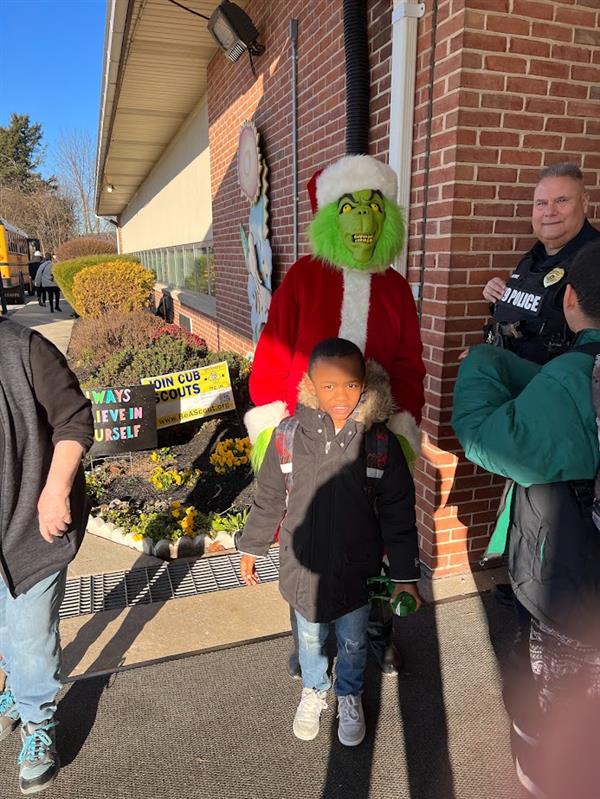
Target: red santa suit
{"x":315,"y":301}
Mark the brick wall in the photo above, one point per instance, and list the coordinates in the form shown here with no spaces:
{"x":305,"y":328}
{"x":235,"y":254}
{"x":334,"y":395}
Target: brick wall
{"x":515,"y":88}
{"x":235,"y":96}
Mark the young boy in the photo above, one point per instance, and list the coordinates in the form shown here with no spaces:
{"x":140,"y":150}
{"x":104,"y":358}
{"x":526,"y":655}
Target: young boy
{"x":335,"y":518}
{"x":537,"y":426}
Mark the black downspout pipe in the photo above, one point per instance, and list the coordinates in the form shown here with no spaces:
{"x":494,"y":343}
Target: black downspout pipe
{"x":358,"y":80}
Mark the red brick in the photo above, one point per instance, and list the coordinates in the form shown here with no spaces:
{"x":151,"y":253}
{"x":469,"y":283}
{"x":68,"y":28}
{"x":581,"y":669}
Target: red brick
{"x":529,"y":47}
{"x":527,"y":85}
{"x":589,"y":74}
{"x":507,"y":24}
{"x":482,"y":80}
{"x":561,"y":125}
{"x":526,"y":8}
{"x":575,"y":16}
{"x":477,"y":40}
{"x":540,"y":141}
{"x":568,"y":53}
{"x":582,"y":109}
{"x":523,"y":121}
{"x":590,"y":36}
{"x":505,"y":63}
{"x":496,"y":175}
{"x":510,"y":102}
{"x":545,"y":105}
{"x":494,"y":138}
{"x":550,"y":69}
{"x":568,"y":90}
{"x":555,"y":33}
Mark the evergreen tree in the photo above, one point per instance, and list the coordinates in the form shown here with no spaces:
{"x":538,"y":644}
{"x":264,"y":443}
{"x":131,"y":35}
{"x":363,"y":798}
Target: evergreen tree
{"x":21,"y":152}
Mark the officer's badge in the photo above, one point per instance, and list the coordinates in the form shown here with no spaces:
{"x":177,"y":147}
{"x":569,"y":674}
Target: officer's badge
{"x":554,"y":276}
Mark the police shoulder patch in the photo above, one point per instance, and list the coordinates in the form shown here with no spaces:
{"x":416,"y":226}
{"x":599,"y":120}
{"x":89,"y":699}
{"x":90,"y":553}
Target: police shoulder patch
{"x":554,"y":276}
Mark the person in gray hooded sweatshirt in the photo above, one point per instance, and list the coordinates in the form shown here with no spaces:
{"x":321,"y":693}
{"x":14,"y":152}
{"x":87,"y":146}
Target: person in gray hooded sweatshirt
{"x":45,"y":429}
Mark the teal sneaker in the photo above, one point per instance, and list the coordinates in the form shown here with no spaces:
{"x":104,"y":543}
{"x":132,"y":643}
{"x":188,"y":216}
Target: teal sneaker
{"x":38,"y":760}
{"x":9,"y":717}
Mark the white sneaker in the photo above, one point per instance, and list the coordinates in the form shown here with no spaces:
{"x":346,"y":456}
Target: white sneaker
{"x":306,"y":720}
{"x":351,"y":727}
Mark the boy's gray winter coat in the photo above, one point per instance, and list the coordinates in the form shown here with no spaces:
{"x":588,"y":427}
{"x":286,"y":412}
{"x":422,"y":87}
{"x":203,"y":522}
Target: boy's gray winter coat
{"x":330,"y":536}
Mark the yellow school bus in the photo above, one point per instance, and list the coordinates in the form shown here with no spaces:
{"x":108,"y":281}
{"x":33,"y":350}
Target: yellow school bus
{"x":14,"y":260}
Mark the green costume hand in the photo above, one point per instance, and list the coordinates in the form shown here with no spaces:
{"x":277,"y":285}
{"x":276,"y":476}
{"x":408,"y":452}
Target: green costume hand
{"x":409,"y":453}
{"x":259,"y":448}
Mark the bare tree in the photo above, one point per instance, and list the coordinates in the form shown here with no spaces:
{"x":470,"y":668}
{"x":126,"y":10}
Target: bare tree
{"x":46,"y":213}
{"x":75,"y":158}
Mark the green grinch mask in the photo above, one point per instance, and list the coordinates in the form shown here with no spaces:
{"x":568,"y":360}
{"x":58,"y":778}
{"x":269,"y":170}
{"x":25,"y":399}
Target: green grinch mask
{"x":362,"y":230}
{"x":360,"y":218}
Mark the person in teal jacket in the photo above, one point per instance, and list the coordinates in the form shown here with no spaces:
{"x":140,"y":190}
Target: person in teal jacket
{"x":536,"y":425}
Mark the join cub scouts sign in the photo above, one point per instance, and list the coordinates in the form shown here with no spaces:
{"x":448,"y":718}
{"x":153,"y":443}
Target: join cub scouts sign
{"x":124,"y":419}
{"x":193,"y":394}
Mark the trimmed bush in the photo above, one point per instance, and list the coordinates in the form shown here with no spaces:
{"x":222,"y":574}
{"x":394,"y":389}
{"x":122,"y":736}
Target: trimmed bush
{"x":93,"y":341}
{"x":114,"y":287}
{"x":178,"y":332}
{"x":64,"y":272}
{"x":86,"y":245}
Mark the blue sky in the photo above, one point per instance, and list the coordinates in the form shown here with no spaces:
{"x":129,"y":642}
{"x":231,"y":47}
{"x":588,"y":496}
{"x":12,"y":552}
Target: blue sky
{"x":51,"y":65}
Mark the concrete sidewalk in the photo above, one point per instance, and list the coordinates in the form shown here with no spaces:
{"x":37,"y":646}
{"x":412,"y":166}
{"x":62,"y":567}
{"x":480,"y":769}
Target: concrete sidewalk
{"x":219,"y":725}
{"x":55,"y":326}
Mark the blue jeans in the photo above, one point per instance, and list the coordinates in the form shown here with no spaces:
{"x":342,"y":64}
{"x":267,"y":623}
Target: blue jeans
{"x":351,"y":635}
{"x":30,"y":646}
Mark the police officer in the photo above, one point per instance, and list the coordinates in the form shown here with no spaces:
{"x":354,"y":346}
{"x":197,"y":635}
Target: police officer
{"x":528,"y":319}
{"x":527,"y":309}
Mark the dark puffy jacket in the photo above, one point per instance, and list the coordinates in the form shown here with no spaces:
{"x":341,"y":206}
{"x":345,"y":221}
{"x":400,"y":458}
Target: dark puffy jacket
{"x":331,"y":539}
{"x":537,"y":426}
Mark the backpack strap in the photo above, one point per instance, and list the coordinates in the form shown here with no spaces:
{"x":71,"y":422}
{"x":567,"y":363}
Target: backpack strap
{"x":376,"y":444}
{"x":591,"y":348}
{"x":284,"y":444}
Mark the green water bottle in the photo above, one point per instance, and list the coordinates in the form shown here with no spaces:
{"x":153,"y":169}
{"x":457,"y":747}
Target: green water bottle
{"x":382,"y":587}
{"x":404,"y":604}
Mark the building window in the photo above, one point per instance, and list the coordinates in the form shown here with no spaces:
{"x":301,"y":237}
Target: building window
{"x":190,"y":267}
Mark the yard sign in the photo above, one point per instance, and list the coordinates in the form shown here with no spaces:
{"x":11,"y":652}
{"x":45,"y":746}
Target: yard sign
{"x":193,"y":394}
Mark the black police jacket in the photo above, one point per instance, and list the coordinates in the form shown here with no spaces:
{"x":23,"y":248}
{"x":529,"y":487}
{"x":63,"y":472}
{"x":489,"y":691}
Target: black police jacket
{"x":530,"y":316}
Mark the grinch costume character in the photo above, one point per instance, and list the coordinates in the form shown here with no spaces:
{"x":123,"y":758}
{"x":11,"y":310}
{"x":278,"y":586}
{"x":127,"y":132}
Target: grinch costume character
{"x":348,"y":289}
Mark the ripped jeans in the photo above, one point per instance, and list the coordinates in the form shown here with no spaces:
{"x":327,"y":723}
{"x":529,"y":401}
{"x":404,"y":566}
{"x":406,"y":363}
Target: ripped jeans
{"x":351,"y":635}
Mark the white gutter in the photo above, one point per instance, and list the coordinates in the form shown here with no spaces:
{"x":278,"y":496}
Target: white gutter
{"x":116,"y":15}
{"x":405,"y":18}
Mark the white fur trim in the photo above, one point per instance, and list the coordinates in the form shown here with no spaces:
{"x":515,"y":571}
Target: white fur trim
{"x":265,"y":417}
{"x":355,"y":307}
{"x":404,"y":424}
{"x":354,"y":173}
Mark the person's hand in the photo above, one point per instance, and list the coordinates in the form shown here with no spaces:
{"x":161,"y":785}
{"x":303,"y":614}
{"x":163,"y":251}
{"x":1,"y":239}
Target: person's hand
{"x":248,"y":570}
{"x":409,"y":588}
{"x":494,"y":289}
{"x":54,"y":512}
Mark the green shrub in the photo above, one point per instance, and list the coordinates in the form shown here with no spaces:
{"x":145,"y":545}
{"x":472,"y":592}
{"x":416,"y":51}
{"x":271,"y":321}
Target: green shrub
{"x":113,"y":287}
{"x":93,"y":341}
{"x":64,"y":271}
{"x":163,"y":356}
{"x":86,"y":245}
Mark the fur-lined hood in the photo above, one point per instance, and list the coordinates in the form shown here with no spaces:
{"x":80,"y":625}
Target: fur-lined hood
{"x":376,"y":403}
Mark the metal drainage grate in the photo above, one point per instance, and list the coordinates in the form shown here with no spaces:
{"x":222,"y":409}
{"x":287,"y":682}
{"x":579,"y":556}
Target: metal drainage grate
{"x":168,"y":581}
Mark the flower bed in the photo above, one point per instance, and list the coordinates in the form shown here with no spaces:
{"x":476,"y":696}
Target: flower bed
{"x":190,"y":495}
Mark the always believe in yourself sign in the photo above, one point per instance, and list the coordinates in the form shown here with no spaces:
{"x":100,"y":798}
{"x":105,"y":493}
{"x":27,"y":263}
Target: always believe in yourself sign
{"x":124,"y":419}
{"x":193,"y":394}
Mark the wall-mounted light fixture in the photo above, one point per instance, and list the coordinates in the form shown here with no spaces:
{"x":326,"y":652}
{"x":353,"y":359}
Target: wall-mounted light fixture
{"x":110,"y":188}
{"x":234,"y":31}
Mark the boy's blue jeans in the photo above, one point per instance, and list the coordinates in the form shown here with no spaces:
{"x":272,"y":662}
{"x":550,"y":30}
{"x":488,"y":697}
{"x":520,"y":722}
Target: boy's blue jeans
{"x":351,"y":634}
{"x":30,"y":646}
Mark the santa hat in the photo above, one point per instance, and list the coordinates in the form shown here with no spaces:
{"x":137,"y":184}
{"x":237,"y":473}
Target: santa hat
{"x":349,"y":174}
